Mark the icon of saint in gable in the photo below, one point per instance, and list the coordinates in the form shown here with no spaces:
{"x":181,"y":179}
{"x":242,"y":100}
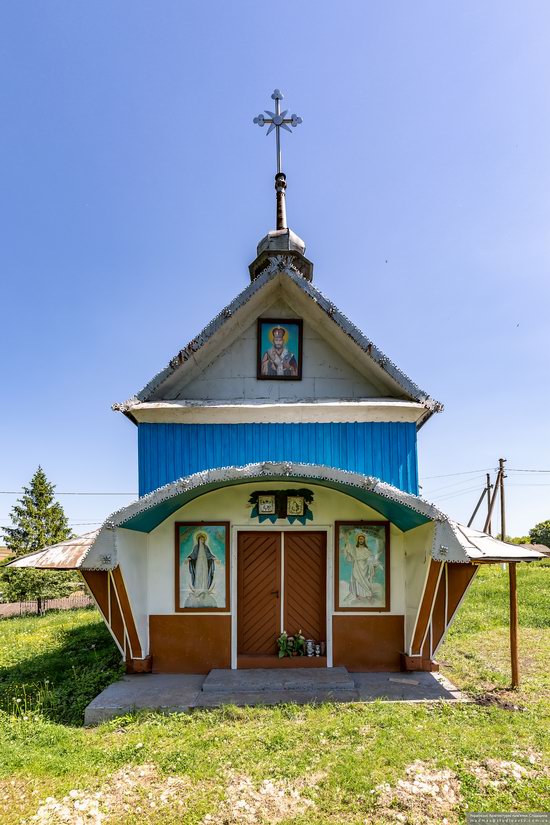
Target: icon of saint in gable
{"x":278,"y":360}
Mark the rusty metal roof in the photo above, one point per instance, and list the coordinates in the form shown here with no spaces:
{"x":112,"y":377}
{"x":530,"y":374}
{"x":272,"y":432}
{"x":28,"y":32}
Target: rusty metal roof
{"x":67,"y":555}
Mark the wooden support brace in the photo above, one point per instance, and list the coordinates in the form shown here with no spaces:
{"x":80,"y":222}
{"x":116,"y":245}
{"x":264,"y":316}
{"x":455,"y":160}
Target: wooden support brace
{"x":513,"y":623}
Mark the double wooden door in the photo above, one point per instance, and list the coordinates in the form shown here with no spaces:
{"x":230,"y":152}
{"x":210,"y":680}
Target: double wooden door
{"x":281,"y":585}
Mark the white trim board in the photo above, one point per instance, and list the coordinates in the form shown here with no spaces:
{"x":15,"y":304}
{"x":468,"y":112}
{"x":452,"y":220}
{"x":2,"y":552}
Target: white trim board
{"x":291,"y":412}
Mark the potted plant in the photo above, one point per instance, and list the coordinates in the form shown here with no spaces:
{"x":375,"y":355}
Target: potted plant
{"x":291,"y":645}
{"x":285,"y":649}
{"x":299,"y":644}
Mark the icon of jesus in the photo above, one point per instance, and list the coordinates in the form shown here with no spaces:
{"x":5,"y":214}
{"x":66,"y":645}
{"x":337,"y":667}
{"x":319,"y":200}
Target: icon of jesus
{"x":364,"y":564}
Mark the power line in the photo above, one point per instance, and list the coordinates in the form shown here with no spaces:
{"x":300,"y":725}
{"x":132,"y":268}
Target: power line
{"x":433,"y":491}
{"x":19,"y":492}
{"x":464,"y":473}
{"x":451,"y":494}
{"x":70,"y":523}
{"x":457,"y":493}
{"x":90,"y":521}
{"x":514,"y":470}
{"x":528,"y":484}
{"x":484,"y":470}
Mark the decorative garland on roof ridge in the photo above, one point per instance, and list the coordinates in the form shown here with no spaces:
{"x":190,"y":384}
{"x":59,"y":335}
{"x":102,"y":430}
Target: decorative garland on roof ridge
{"x":124,"y":406}
{"x":282,"y":263}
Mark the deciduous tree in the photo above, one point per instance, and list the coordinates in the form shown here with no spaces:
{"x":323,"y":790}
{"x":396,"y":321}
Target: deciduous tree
{"x":540,"y":533}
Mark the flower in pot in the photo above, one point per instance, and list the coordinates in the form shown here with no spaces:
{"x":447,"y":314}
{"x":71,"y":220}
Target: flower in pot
{"x":300,"y":643}
{"x":285,"y":644}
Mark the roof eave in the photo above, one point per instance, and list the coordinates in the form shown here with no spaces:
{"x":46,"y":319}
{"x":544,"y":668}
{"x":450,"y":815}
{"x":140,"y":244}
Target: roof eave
{"x":182,"y":411}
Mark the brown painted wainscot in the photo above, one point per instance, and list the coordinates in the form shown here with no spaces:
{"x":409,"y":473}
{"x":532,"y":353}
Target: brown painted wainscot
{"x":190,"y":643}
{"x":368,"y":642}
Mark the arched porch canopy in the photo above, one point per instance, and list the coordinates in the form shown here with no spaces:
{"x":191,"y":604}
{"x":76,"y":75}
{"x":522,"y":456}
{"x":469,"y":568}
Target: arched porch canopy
{"x":451,"y":541}
{"x":403,"y":509}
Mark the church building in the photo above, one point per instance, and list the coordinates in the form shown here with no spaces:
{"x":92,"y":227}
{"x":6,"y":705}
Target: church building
{"x":278,"y":495}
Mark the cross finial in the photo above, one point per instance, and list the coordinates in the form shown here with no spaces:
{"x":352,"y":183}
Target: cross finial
{"x":278,"y":120}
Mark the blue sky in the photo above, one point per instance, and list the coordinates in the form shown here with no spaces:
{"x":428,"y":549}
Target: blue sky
{"x":135,"y":187}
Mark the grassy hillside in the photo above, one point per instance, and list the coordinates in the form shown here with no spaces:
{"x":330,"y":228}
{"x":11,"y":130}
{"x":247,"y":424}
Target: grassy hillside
{"x":55,"y":664}
{"x":476,"y":653}
{"x":375,"y":763}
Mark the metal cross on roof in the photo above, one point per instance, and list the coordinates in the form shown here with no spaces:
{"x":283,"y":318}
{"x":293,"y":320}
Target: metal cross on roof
{"x":278,"y":120}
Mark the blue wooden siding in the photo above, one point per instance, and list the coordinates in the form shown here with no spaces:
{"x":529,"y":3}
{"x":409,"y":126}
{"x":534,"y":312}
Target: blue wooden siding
{"x":170,"y":451}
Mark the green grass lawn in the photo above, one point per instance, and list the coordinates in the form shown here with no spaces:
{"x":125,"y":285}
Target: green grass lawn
{"x":372,"y":763}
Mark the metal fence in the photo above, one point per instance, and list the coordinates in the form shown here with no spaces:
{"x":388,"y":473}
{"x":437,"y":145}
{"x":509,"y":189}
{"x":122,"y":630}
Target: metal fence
{"x":68,"y":603}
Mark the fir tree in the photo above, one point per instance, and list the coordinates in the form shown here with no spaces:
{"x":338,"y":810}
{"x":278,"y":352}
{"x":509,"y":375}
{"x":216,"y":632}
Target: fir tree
{"x":38,"y":521}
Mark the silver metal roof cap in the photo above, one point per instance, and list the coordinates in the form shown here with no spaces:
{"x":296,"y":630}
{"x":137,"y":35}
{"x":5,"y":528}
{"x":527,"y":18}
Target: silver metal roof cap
{"x":281,"y":240}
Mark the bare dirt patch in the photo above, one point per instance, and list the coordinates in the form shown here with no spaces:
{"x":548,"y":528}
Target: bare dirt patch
{"x":427,"y":795}
{"x":15,"y":795}
{"x":496,"y":773}
{"x":499,"y":697}
{"x":137,"y":789}
{"x":532,"y":756}
{"x":143,"y":791}
{"x":500,"y":773}
{"x":247,"y":804}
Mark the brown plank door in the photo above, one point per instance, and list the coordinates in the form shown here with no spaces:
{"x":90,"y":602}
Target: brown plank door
{"x":305,"y":555}
{"x":258,"y":592}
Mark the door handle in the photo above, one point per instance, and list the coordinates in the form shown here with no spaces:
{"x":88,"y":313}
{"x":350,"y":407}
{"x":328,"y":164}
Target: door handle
{"x":275,"y":593}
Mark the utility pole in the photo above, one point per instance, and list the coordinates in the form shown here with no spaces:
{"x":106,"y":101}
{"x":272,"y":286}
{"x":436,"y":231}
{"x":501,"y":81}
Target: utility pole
{"x":502,"y":507}
{"x":513,"y":583}
{"x":488,"y":491}
{"x":492,"y":500}
{"x":485,"y":492}
{"x":478,"y":505}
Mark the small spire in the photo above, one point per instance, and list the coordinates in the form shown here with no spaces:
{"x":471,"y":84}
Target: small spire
{"x":278,"y":120}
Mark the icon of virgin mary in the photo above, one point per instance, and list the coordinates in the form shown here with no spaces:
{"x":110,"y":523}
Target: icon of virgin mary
{"x":202,"y":571}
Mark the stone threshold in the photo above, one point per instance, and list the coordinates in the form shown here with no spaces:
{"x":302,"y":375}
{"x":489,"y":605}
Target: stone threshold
{"x":183,"y":692}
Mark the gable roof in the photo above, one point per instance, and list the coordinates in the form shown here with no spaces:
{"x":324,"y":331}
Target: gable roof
{"x":282,"y":271}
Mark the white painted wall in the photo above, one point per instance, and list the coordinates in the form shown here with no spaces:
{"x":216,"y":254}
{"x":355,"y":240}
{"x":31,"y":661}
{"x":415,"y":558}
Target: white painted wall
{"x":132,"y":557}
{"x":231,"y":504}
{"x":102,"y":553}
{"x":417,"y":549}
{"x":326,"y":373}
{"x":147,"y":561}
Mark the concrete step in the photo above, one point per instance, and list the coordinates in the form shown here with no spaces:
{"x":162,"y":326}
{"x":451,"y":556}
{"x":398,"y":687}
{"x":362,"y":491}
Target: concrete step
{"x":252,"y":681}
{"x":212,"y":699}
